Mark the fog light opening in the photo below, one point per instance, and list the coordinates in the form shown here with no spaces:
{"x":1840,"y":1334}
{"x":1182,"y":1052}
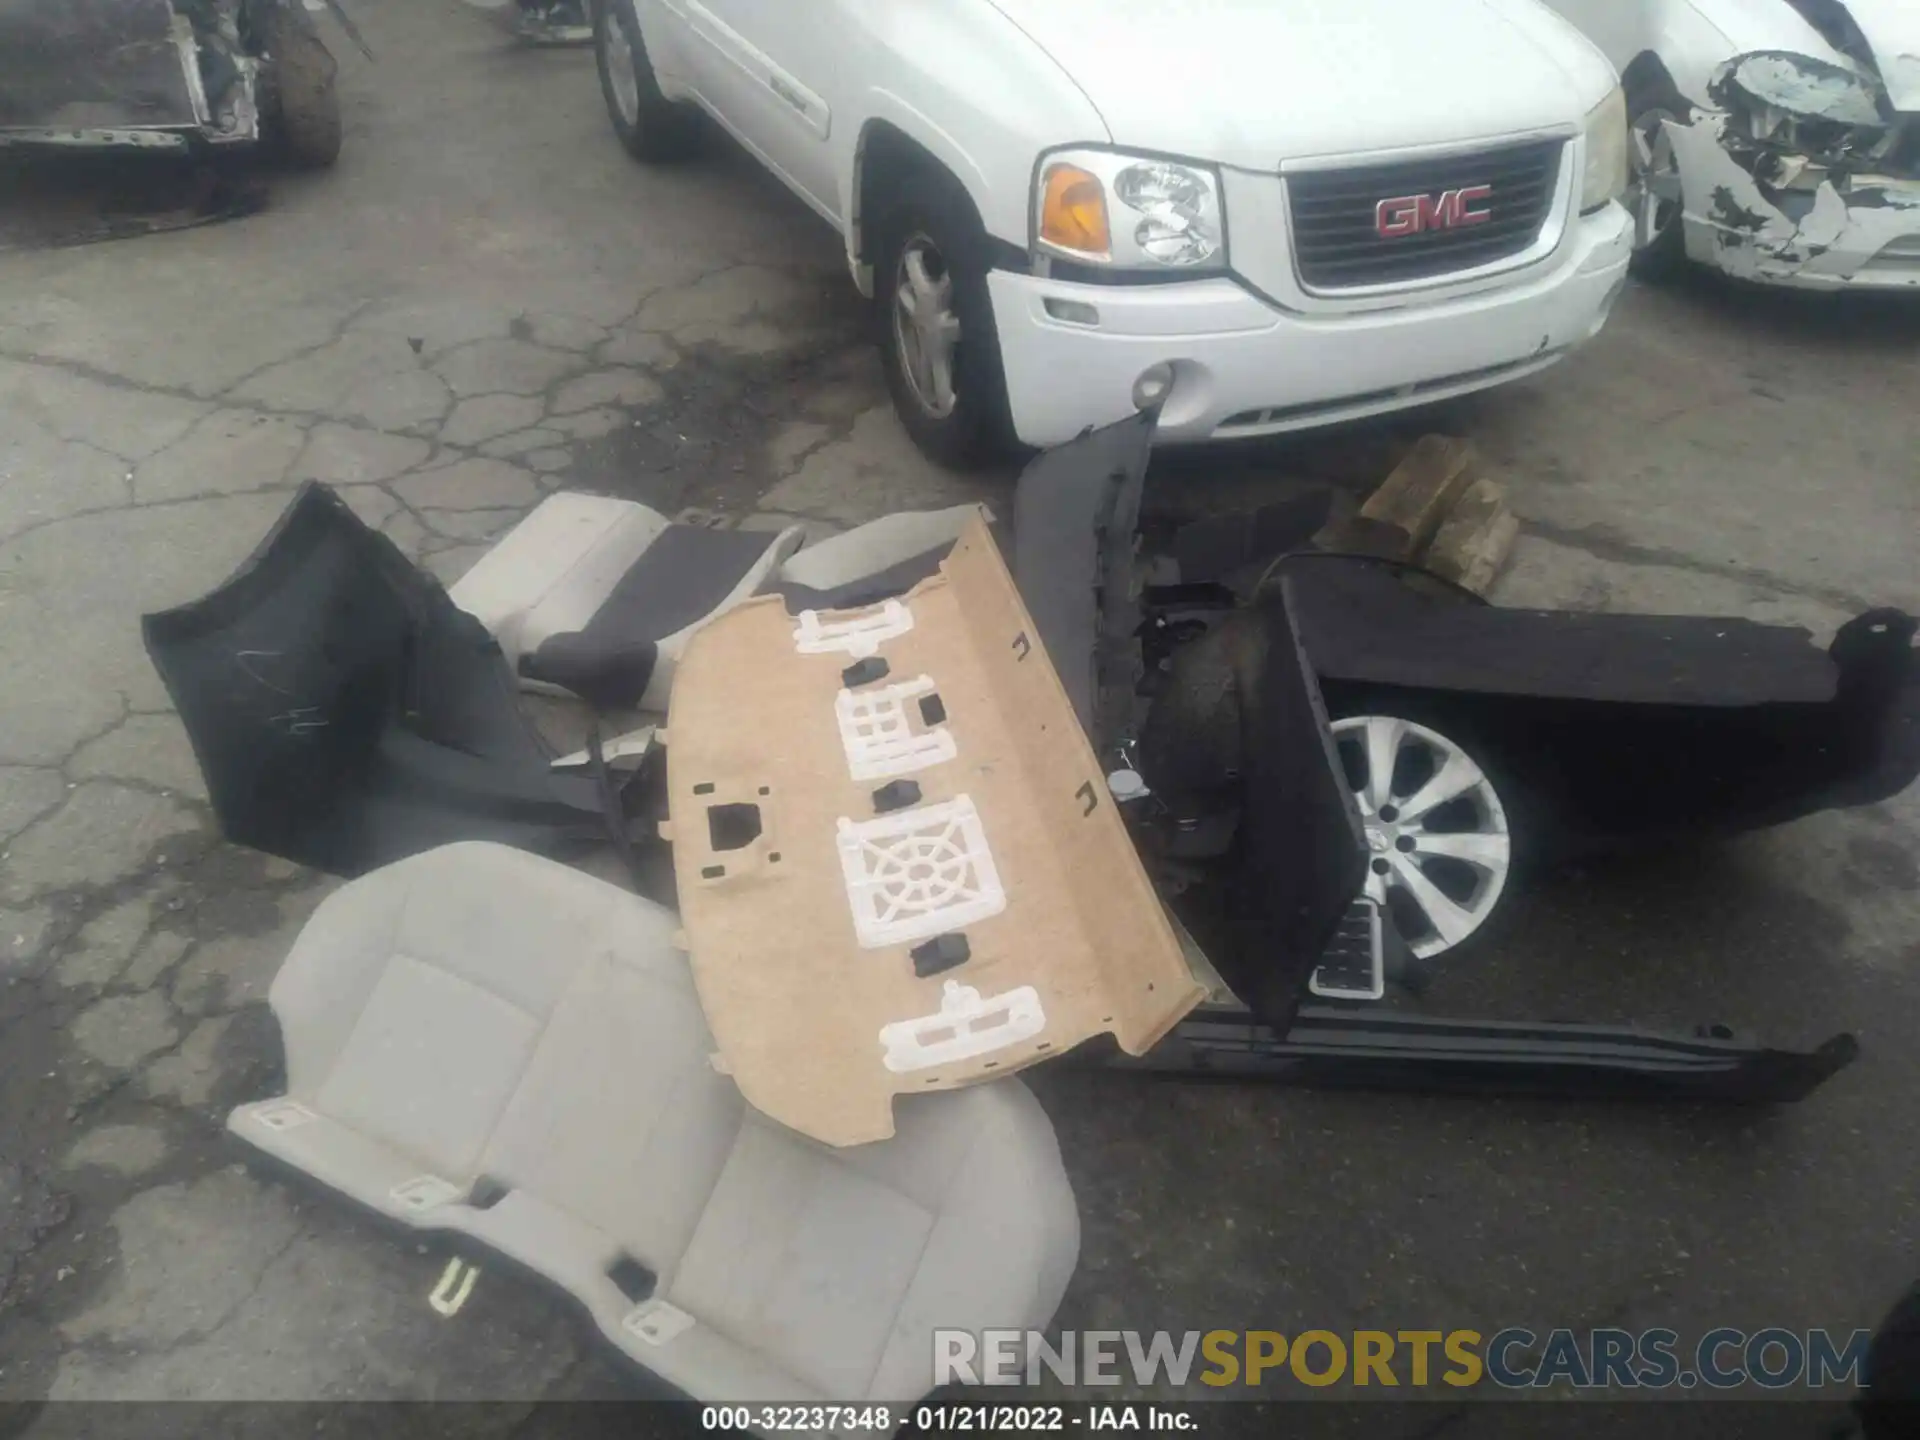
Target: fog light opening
{"x":1153,"y":387}
{"x":1072,"y":312}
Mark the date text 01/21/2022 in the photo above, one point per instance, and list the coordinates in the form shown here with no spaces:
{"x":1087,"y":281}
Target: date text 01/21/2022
{"x":1018,"y":1419}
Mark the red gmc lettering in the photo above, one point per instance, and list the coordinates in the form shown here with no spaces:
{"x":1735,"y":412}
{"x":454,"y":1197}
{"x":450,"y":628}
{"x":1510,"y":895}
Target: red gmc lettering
{"x":1436,"y":211}
{"x":1400,"y":216}
{"x":1449,"y":210}
{"x":1465,"y":200}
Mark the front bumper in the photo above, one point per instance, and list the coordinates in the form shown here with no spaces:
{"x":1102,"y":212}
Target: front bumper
{"x":1867,"y":239}
{"x":1245,"y":367}
{"x":120,"y":74}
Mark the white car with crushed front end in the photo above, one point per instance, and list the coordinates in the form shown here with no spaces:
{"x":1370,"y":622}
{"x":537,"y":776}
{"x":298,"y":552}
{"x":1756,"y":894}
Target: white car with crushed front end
{"x":1255,"y":215}
{"x":1778,"y":140}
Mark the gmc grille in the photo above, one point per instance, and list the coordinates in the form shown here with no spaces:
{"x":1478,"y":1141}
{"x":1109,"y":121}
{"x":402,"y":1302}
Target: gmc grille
{"x":1336,"y":245}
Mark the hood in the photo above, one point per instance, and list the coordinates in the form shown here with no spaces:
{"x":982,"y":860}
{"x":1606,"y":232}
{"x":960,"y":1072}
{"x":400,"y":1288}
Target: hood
{"x":1892,"y":31}
{"x":1249,"y":83}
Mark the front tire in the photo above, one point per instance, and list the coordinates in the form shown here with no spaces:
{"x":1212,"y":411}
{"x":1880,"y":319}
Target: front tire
{"x":937,"y":333}
{"x":652,"y":128}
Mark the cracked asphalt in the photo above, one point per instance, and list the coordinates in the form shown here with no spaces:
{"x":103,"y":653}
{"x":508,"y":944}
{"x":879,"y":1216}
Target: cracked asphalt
{"x":486,"y":302}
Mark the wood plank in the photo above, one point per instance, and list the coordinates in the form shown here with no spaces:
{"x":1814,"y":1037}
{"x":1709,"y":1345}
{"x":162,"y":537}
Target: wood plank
{"x":1417,"y":497}
{"x":1475,"y":539}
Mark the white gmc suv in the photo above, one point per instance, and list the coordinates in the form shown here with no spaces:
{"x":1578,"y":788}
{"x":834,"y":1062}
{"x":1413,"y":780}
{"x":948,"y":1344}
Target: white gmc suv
{"x":1258,"y":215}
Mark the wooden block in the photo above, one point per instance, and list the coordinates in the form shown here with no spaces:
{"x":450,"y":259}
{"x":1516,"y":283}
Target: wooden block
{"x":1473,"y":542}
{"x":1422,"y":489}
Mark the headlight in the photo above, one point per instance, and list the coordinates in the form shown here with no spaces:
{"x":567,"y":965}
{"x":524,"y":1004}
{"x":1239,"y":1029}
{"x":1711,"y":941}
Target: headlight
{"x":1606,"y":132}
{"x":1794,"y":106}
{"x":1801,"y":87}
{"x":1129,"y":212}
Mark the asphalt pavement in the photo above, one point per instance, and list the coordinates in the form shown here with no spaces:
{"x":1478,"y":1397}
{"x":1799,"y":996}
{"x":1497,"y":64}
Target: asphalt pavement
{"x":487,"y":301}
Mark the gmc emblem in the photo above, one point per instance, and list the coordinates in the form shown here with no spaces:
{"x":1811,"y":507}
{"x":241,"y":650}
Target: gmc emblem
{"x":1449,"y":210}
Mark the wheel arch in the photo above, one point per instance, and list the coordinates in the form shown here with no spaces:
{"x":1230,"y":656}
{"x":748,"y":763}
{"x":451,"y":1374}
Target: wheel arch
{"x":1647,"y":70}
{"x":1687,"y":47}
{"x":891,"y":148}
{"x":1647,"y":74}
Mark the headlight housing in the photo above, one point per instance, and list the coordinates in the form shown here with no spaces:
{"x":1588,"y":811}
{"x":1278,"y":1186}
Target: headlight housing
{"x":1606,"y":136}
{"x":1129,"y":212}
{"x":1789,"y":107}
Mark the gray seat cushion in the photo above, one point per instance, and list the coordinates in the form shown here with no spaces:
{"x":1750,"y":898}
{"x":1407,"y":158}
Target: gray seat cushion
{"x":613,"y":592}
{"x":598,"y":597}
{"x":477,"y":1020}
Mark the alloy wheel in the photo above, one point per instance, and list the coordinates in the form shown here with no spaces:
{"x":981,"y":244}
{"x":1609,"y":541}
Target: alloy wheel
{"x":1653,"y":194}
{"x":620,"y":68}
{"x":925,"y":327}
{"x":1439,"y":851}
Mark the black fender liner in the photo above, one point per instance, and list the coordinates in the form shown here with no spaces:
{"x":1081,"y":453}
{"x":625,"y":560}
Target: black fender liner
{"x":346,"y":713}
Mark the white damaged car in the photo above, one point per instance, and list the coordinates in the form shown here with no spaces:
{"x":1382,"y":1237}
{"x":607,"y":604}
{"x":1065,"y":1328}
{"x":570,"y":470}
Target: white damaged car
{"x":1257,"y":215}
{"x":1778,"y":140}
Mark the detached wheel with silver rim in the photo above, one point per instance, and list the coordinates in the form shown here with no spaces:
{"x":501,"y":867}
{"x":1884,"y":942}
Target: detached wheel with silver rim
{"x":650,"y":126}
{"x":936,"y":326}
{"x":1653,"y":196}
{"x":1439,"y":849}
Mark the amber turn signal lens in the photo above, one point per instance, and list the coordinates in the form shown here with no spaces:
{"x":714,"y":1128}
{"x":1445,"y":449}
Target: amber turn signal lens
{"x":1073,"y":212}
